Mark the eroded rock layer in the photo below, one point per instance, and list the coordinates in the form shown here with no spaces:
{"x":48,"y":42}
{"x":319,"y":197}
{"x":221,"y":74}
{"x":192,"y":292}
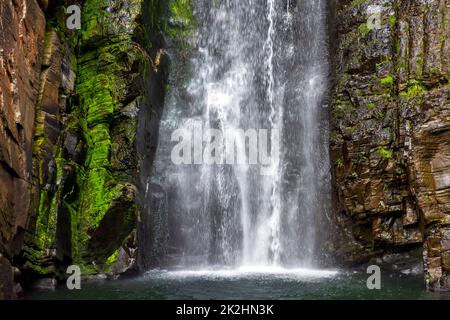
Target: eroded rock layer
{"x":391,"y":130}
{"x":70,"y":102}
{"x":22,"y":29}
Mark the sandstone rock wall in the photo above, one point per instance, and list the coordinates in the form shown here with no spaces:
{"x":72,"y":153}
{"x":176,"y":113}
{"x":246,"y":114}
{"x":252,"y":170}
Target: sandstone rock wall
{"x":390,"y":139}
{"x":22,"y":29}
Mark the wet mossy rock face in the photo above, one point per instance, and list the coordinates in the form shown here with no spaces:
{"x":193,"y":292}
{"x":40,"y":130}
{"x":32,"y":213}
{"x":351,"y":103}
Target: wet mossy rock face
{"x":96,"y":72}
{"x":390,"y":138}
{"x":108,"y":84}
{"x":72,"y":101}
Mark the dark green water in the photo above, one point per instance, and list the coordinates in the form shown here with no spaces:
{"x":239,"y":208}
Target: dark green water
{"x":247,"y":285}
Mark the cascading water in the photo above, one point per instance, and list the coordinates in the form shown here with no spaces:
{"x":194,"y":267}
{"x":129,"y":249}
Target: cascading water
{"x":257,"y":65}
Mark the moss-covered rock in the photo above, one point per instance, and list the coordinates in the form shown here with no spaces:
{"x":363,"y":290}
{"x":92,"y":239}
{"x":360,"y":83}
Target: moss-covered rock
{"x":110,"y":63}
{"x":390,"y":129}
{"x":85,"y":139}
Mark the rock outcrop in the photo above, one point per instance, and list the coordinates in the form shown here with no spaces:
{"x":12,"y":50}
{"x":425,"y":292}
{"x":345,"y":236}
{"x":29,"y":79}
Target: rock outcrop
{"x":390,"y":139}
{"x":70,"y":104}
{"x":22,"y":30}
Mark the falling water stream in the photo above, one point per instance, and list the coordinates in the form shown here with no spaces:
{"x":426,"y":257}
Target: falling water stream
{"x":259,"y":66}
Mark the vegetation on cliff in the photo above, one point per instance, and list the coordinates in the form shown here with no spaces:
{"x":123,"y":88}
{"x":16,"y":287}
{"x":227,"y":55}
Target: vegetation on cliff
{"x":390,"y":108}
{"x":87,"y":170}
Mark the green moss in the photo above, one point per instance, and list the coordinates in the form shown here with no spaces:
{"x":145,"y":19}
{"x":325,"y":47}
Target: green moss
{"x":103,"y":64}
{"x":46,"y":221}
{"x":34,"y":261}
{"x":339,"y":163}
{"x":98,"y":194}
{"x":392,"y":21}
{"x":98,"y":88}
{"x":113,"y":257}
{"x":46,"y":213}
{"x":94,"y":17}
{"x":102,"y":86}
{"x":182,"y":10}
{"x":357,"y":3}
{"x":388,"y":81}
{"x":39,"y":137}
{"x":387,"y":154}
{"x":414,"y":90}
{"x":182,"y":17}
{"x":363,"y":30}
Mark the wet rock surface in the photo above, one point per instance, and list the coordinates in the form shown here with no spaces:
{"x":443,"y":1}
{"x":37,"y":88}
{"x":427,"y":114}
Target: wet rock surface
{"x":390,"y":129}
{"x":22,"y":25}
{"x":69,"y":104}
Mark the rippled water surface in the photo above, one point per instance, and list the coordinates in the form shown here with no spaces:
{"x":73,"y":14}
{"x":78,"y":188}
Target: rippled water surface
{"x":248,"y":283}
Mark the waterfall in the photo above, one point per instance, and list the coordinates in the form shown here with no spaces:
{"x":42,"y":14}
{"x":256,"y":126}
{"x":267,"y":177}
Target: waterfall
{"x":255,"y":82}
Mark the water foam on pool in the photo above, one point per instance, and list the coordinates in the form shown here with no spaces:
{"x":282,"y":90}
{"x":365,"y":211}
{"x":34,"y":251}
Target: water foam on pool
{"x":245,"y":272}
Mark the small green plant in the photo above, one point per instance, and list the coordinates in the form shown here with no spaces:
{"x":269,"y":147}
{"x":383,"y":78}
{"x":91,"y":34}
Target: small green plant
{"x":385,"y":153}
{"x":388,"y":80}
{"x":363,"y":29}
{"x":392,"y":21}
{"x":415,"y":90}
{"x":339,"y":163}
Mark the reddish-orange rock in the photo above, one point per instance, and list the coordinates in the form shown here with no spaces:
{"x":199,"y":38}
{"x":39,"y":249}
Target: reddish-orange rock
{"x":22,"y":28}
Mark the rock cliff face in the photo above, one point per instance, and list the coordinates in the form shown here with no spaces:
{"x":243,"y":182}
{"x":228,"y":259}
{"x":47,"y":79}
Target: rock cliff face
{"x":71,"y":103}
{"x":390,"y":140}
{"x":22,"y":26}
